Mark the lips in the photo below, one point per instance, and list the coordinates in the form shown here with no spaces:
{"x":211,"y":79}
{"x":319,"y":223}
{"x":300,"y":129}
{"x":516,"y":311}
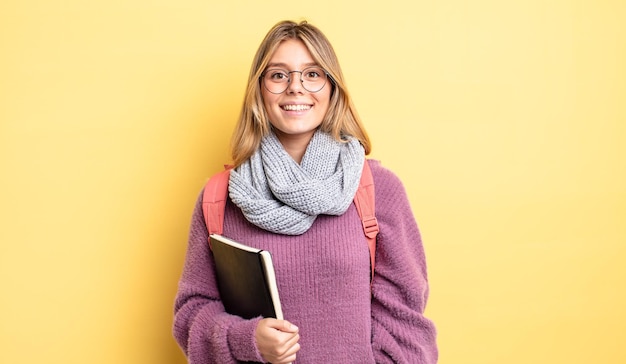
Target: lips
{"x":298,"y":107}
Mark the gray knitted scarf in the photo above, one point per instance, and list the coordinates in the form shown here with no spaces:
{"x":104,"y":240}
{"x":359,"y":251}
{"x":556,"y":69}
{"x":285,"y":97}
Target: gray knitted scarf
{"x":279,"y":195}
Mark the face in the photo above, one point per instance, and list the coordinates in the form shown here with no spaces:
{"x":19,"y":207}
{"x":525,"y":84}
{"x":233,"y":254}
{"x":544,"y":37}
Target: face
{"x":296,"y":113}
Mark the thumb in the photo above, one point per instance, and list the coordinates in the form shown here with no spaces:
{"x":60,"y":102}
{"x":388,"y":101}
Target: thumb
{"x":285,"y":326}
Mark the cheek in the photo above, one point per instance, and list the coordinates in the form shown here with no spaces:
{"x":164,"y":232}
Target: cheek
{"x":325,"y":101}
{"x":270,"y":104}
{"x":266,"y":97}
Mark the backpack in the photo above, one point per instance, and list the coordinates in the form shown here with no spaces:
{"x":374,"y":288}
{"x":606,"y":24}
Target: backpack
{"x":216,"y":194}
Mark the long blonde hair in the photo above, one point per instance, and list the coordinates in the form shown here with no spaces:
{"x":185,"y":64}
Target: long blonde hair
{"x":340,"y":120}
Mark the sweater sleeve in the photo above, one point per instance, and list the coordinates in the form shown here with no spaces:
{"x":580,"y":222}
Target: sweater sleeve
{"x":202,"y":328}
{"x":400,"y":332}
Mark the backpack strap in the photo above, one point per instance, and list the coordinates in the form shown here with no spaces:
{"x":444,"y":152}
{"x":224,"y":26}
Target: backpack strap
{"x":214,"y":201}
{"x":365,"y":203}
{"x":216,"y":194}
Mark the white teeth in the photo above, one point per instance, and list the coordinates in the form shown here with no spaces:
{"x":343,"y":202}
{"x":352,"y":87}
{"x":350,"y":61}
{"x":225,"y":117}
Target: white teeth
{"x":296,"y":107}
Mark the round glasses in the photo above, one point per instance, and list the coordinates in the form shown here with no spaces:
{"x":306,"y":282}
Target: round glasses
{"x":277,"y":80}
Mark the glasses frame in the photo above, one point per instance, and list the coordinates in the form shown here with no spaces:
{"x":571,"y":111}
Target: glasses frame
{"x":289,"y":78}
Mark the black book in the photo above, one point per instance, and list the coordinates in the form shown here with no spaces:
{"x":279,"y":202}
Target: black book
{"x":246,"y":279}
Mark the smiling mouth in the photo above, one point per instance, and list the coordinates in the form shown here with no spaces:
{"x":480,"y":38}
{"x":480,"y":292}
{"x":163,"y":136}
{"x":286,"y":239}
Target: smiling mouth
{"x":296,"y":107}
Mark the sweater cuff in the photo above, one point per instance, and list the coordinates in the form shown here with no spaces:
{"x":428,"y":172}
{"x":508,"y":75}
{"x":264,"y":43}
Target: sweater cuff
{"x":242,"y":342}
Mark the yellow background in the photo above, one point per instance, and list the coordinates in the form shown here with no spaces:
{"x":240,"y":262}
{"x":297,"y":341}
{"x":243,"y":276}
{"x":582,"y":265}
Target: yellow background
{"x":506,"y":121}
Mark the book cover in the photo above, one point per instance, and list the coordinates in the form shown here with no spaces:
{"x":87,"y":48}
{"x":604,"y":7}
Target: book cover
{"x":246,"y":279}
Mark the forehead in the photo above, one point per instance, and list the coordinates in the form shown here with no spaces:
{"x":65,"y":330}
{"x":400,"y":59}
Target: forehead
{"x":291,"y":53}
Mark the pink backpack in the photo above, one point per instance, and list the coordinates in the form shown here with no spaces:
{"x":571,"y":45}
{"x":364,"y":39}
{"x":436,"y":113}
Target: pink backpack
{"x":216,"y":194}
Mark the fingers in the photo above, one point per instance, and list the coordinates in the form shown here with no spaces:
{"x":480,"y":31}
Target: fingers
{"x":288,"y":357}
{"x":277,"y":340}
{"x":285,"y":354}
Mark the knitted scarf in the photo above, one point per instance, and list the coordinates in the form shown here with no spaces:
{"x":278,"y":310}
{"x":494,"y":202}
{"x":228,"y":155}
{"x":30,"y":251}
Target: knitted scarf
{"x":279,"y":195}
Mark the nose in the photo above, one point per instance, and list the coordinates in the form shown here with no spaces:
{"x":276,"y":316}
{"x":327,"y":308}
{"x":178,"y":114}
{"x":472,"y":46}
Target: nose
{"x":295,"y":83}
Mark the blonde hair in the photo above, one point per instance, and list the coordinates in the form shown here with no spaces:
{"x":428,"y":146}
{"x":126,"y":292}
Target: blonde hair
{"x":340,"y":120}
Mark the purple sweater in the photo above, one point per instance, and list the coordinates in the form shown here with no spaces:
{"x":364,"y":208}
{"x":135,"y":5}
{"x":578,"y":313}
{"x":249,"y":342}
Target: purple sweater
{"x":324,"y":283}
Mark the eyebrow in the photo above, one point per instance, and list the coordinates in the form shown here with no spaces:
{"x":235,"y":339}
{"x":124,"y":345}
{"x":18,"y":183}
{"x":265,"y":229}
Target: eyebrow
{"x":284,"y":65}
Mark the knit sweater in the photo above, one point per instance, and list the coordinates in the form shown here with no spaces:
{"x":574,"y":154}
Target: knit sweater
{"x":323,"y":278}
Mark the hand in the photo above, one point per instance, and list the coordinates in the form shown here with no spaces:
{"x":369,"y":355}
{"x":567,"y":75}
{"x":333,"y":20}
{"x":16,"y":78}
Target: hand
{"x":277,"y":340}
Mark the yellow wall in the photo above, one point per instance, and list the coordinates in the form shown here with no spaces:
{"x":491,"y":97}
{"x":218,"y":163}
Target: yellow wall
{"x":505,"y":119}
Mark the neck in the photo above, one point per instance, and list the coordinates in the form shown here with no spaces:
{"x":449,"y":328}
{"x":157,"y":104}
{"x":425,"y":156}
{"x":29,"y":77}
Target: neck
{"x":295,"y":145}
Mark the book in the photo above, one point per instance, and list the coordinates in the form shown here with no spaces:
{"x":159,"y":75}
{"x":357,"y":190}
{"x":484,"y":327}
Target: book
{"x":246,"y":279}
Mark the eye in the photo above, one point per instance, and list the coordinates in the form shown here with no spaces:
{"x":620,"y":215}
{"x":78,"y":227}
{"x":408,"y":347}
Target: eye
{"x":277,"y":75}
{"x":313,"y":73}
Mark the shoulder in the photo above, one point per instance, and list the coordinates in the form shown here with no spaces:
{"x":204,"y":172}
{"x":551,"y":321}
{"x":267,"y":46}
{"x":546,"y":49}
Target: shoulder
{"x":389,"y":190}
{"x":384,"y":177}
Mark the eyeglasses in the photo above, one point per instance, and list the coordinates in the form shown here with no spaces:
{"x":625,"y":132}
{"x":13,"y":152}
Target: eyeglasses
{"x":277,"y":80}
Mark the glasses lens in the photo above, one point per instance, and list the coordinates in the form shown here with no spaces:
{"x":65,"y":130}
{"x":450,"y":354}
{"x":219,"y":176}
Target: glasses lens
{"x":313,"y":78}
{"x":277,"y":80}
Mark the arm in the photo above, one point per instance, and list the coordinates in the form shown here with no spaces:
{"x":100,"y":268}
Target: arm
{"x":202,"y":328}
{"x":400,"y":332}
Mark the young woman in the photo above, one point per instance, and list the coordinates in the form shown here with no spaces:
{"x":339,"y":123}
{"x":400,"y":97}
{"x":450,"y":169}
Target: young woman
{"x":298,"y":151}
